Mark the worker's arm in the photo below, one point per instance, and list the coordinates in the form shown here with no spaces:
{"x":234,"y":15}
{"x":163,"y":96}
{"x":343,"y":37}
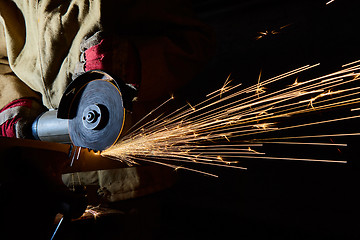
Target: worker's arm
{"x":157,"y":41}
{"x":19,"y":105}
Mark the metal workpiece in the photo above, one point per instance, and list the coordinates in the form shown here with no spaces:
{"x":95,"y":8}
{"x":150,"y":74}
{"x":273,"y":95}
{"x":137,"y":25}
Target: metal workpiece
{"x":58,"y":155}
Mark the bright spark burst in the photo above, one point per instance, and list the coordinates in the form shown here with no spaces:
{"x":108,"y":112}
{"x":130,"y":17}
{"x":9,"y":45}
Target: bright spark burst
{"x":195,"y":133}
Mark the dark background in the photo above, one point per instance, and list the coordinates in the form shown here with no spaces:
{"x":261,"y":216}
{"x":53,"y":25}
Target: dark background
{"x":272,"y":199}
{"x":315,"y":33}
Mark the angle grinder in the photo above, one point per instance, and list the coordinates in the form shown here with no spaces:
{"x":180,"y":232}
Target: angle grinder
{"x":91,"y":112}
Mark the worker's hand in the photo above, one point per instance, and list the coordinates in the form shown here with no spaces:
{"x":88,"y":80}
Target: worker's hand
{"x":112,"y":54}
{"x":17,"y":117}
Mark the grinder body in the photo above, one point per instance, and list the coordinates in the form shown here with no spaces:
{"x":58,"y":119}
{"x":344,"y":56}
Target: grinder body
{"x":91,"y":113}
{"x":49,"y":128}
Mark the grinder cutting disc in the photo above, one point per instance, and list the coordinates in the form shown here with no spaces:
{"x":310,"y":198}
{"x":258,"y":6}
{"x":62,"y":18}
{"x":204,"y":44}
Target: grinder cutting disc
{"x":99,"y":116}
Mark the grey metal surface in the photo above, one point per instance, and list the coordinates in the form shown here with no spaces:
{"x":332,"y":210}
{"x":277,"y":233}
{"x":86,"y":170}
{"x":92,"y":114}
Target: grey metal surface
{"x":47,"y":127}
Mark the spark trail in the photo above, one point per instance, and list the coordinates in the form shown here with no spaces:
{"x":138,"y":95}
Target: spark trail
{"x":234,"y":123}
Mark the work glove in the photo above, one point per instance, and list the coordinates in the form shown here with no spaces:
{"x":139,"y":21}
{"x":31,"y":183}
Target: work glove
{"x":17,"y":117}
{"x":115,"y":56}
{"x":111,"y":54}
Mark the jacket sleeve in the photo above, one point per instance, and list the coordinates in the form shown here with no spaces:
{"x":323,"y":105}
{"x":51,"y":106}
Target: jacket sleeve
{"x":11,"y":87}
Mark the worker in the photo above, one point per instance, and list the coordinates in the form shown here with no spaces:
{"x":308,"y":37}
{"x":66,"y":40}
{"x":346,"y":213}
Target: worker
{"x":156,"y":46}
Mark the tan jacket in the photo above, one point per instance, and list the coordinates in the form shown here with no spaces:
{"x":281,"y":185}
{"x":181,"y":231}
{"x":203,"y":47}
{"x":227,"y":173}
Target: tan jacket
{"x":40,"y":47}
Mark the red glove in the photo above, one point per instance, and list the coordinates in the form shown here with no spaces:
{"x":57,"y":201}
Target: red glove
{"x":111,"y":54}
{"x":17,"y":117}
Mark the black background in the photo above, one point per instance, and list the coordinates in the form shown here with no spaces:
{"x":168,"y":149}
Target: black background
{"x":273,"y":199}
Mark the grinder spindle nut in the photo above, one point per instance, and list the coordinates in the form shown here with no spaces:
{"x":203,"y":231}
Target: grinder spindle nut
{"x":95,"y":116}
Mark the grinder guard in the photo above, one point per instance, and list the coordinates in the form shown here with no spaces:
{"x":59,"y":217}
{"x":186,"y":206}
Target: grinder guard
{"x":92,"y":107}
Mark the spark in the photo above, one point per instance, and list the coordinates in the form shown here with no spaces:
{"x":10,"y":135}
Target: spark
{"x":265,"y":33}
{"x":285,"y":26}
{"x":259,"y":89}
{"x":217,"y":130}
{"x":75,"y":154}
{"x":296,"y":83}
{"x":252,"y":150}
{"x":224,"y":88}
{"x":93,"y":211}
{"x":151,"y":112}
{"x":351,"y":63}
{"x":227,"y":139}
{"x":264,"y":126}
{"x":78,"y":155}
{"x":191,"y":106}
{"x":311,"y":143}
{"x":265,"y":112}
{"x":331,"y":1}
{"x":311,"y":102}
{"x":299,"y":159}
{"x":181,"y":167}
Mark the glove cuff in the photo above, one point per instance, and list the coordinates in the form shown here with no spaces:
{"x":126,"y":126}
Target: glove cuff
{"x":17,"y":116}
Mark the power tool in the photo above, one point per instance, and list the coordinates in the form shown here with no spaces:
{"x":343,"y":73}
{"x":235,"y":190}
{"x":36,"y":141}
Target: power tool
{"x":91,"y":117}
{"x":91,"y":112}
